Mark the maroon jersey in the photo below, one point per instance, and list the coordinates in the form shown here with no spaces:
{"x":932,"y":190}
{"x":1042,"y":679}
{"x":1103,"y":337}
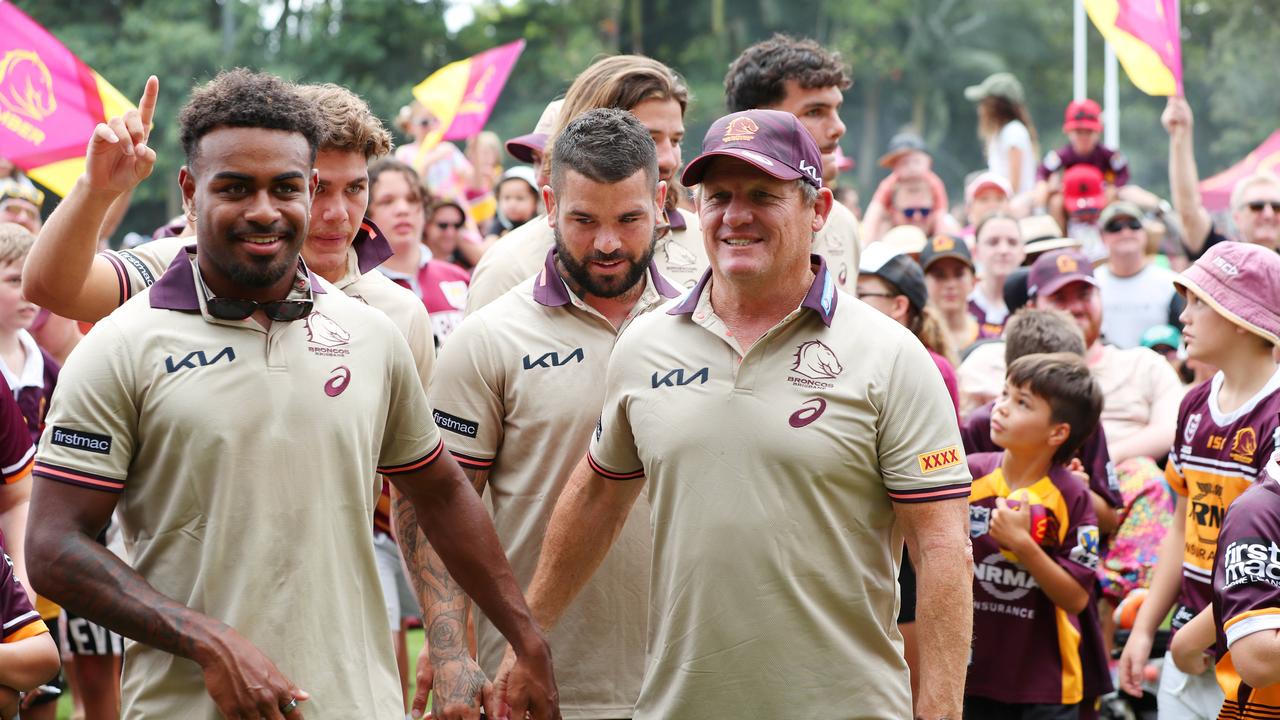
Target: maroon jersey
{"x":1113,"y":164}
{"x":988,"y":327}
{"x":1025,"y":648}
{"x":1246,"y":595}
{"x":442,"y":286}
{"x":33,"y":400}
{"x":17,"y":451}
{"x":21,"y":621}
{"x":975,"y":432}
{"x":1216,"y":457}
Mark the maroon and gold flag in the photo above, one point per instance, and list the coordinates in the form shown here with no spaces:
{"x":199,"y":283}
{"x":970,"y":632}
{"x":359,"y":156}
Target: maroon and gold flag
{"x":50,"y":102}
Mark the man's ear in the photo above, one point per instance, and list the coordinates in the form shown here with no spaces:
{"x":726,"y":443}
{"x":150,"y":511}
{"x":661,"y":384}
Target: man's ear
{"x":660,"y":199}
{"x":549,"y":199}
{"x":315,"y":181}
{"x":822,"y":208}
{"x":901,"y":307}
{"x":187,"y":181}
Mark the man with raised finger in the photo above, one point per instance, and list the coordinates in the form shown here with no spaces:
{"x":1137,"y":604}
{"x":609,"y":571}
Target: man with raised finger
{"x":235,"y":411}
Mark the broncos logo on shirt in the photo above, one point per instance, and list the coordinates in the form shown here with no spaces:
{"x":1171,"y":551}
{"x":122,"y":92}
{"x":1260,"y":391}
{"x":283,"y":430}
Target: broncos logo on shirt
{"x":817,"y":361}
{"x":323,"y":330}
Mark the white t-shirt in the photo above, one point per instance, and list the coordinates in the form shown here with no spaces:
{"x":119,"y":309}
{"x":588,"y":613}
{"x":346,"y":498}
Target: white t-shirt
{"x":1013,"y":135}
{"x":1132,"y":304}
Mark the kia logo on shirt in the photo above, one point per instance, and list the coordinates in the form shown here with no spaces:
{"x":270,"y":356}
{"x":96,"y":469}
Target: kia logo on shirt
{"x":553,"y":359}
{"x":196,"y":359}
{"x":677,"y":377}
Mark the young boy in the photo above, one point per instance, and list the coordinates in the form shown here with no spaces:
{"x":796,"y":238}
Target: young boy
{"x":1034,"y":559}
{"x":30,"y":372}
{"x":1227,"y":431}
{"x":1082,"y":124}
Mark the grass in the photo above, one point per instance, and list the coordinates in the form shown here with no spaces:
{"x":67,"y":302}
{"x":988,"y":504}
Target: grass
{"x":415,"y":646}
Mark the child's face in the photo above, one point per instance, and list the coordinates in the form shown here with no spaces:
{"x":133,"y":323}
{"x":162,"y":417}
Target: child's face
{"x":1206,"y":334}
{"x":517,"y":201}
{"x":1083,"y":141}
{"x":1021,"y":419}
{"x":15,"y":312}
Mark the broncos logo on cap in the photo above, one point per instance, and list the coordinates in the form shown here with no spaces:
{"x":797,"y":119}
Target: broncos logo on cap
{"x":943,"y":243}
{"x":26,"y":85}
{"x":1067,"y":264}
{"x":741,"y":129}
{"x":816,"y":361}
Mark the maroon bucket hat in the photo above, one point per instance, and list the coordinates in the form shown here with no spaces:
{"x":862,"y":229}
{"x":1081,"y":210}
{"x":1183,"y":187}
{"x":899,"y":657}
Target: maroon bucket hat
{"x":1241,"y":282}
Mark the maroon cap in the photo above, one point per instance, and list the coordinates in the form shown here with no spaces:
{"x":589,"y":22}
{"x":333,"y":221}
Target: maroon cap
{"x":1053,"y":271}
{"x":523,"y":147}
{"x":1082,"y":188}
{"x":771,"y":140}
{"x":1241,"y":282}
{"x":1082,"y":115}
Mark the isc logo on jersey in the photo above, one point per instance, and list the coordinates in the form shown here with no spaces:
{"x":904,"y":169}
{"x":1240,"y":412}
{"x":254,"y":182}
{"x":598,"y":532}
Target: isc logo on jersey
{"x":1252,"y":560}
{"x":1003,"y":579}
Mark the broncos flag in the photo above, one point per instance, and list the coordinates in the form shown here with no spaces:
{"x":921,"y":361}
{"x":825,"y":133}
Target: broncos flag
{"x":462,"y":94}
{"x":50,"y":102}
{"x":1147,"y":40}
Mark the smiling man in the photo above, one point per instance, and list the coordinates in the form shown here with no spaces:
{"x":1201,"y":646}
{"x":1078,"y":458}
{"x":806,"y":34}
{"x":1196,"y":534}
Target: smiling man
{"x":182,"y":408}
{"x":787,"y":462}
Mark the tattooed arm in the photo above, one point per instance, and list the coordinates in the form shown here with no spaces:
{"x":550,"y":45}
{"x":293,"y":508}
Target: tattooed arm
{"x":446,"y":666}
{"x":68,"y":567}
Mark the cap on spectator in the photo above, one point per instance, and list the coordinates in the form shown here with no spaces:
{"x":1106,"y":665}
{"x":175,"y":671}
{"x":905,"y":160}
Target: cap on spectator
{"x":523,"y":147}
{"x":1161,"y":335}
{"x":12,"y":189}
{"x":907,"y":239}
{"x":1039,"y":227}
{"x":1001,"y":84}
{"x":1082,"y":188}
{"x":1241,"y":282}
{"x":899,"y":145}
{"x":944,"y":246}
{"x":771,"y":140}
{"x":1054,"y":270}
{"x":986,"y":181}
{"x":1082,"y":115}
{"x":897,"y":269}
{"x":523,"y":173}
{"x":1036,"y":248}
{"x":1120,"y":208}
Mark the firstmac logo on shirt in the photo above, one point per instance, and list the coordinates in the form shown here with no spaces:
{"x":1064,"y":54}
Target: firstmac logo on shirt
{"x":81,"y":440}
{"x":1252,"y":560}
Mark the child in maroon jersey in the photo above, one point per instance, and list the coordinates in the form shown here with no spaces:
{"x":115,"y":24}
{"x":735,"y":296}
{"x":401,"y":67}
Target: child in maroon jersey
{"x":1034,"y":559}
{"x":1227,"y":431}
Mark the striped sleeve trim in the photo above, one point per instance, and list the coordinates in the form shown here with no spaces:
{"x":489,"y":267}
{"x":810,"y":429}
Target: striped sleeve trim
{"x":1251,"y":622}
{"x":26,"y":625}
{"x":418,"y":464}
{"x":932,"y":494}
{"x":469,"y":461}
{"x":600,"y":470}
{"x":72,"y":476}
{"x":13,"y":473}
{"x":122,"y":276}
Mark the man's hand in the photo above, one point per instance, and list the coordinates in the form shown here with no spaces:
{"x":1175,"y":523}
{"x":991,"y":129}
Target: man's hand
{"x":245,"y":683}
{"x":1177,"y":118}
{"x":460,"y":689}
{"x":526,"y":685}
{"x":118,"y":157}
{"x":1010,"y":526}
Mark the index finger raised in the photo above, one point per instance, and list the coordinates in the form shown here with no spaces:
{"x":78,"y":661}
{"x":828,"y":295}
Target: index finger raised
{"x":147,"y":105}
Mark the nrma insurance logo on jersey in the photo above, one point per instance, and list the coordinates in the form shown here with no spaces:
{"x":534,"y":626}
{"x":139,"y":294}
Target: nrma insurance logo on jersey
{"x":1252,"y":560}
{"x":1003,"y":579}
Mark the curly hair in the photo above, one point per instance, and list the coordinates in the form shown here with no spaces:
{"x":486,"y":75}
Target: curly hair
{"x":757,"y":79}
{"x":346,"y":123}
{"x":246,"y":99}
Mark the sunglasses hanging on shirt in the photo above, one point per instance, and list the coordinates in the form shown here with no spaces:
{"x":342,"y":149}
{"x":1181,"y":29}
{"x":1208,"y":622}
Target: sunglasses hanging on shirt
{"x":240,"y":308}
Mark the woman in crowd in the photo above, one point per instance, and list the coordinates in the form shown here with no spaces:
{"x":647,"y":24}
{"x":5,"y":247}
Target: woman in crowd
{"x":998,"y":250}
{"x":1005,"y":127}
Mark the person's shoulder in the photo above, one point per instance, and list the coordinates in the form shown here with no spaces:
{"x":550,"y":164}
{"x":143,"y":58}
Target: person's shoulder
{"x":982,"y":464}
{"x":1196,"y":398}
{"x":1067,"y":483}
{"x":446,"y":271}
{"x":512,"y":306}
{"x":515,"y":240}
{"x":330,"y":301}
{"x":692,"y":223}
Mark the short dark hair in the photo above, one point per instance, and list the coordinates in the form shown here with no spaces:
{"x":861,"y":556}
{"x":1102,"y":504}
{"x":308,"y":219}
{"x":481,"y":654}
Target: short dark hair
{"x":1031,"y":331}
{"x":606,"y":145}
{"x":757,"y":78}
{"x":1064,"y":382}
{"x":243,"y":98}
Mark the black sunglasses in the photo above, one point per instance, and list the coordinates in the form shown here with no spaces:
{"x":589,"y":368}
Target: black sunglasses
{"x":1260,"y":205}
{"x":445,"y":226}
{"x":1119,"y":224}
{"x":911,"y":212}
{"x":239,"y":308}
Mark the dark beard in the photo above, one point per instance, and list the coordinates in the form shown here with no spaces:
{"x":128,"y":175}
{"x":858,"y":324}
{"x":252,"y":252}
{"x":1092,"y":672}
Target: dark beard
{"x":583,"y":282}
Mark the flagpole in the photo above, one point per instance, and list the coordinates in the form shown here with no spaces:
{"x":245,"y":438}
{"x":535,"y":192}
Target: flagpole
{"x":1081,"y":51}
{"x":1111,"y":98}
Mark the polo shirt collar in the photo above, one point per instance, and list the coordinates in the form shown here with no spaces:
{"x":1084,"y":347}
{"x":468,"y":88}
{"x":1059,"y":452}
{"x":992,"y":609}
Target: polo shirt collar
{"x":821,"y":297}
{"x":371,"y":246}
{"x":176,"y":289}
{"x":31,"y":374}
{"x":676,"y":220}
{"x":549,"y":289}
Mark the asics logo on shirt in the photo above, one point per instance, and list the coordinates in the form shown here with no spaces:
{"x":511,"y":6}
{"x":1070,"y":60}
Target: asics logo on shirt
{"x":197,"y":359}
{"x":810,"y":411}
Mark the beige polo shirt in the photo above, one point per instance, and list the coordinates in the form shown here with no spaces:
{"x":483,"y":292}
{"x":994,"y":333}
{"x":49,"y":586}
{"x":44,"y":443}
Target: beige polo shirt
{"x":772,"y":475}
{"x":518,"y":391}
{"x":839,"y":244}
{"x":138,"y":268}
{"x":519,"y":255}
{"x":245,"y":461}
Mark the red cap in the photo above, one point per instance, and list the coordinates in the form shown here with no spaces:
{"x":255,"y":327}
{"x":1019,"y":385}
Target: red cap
{"x":1082,"y":115}
{"x":772,"y":140}
{"x":1082,"y":188}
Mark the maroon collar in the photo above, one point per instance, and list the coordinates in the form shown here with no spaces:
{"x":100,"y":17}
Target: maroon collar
{"x":549,"y":289}
{"x":372,"y":248}
{"x":176,"y":289}
{"x":821,"y":297}
{"x":676,"y":220}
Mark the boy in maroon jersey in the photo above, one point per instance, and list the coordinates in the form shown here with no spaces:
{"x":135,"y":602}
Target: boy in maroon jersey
{"x":1034,"y":559}
{"x":1226,"y":433}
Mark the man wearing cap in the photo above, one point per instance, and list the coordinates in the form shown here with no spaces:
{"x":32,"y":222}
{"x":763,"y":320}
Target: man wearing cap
{"x":652,"y":92}
{"x":1141,"y":391}
{"x":518,"y":392}
{"x":803,"y":78}
{"x":1136,"y":293}
{"x":530,"y":148}
{"x":1255,"y":200}
{"x":786,"y":458}
{"x":1082,"y":124}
